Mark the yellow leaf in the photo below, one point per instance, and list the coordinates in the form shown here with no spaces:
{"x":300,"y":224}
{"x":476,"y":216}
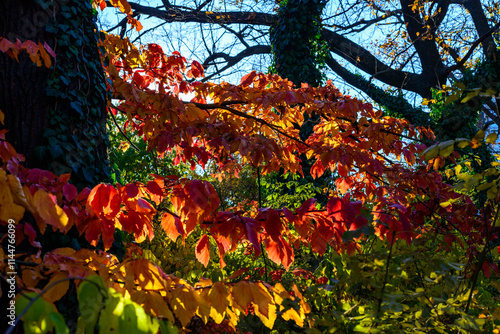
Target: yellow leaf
{"x":484,"y":186}
{"x":470,"y":96}
{"x":303,"y":304}
{"x":49,"y":211}
{"x":431,"y":152}
{"x":261,"y":298}
{"x":446,"y":148}
{"x":8,"y":209}
{"x":449,"y":173}
{"x":58,"y":289}
{"x":292,"y":314}
{"x":463,"y":143}
{"x":269,"y":319}
{"x":451,"y":98}
{"x":479,"y":135}
{"x":492,"y":193}
{"x":492,"y":138}
{"x":186,"y":303}
{"x":153,"y":303}
{"x":2,"y":117}
{"x":218,"y":300}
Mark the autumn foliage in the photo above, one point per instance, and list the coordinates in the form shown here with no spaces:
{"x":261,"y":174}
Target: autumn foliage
{"x":387,"y":191}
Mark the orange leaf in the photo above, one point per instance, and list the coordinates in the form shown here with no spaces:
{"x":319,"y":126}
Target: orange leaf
{"x":242,"y":295}
{"x":185,"y":302}
{"x":153,"y":303}
{"x":172,"y":225}
{"x":45,"y":56}
{"x":123,"y":5}
{"x":203,"y":250}
{"x":248,"y":79}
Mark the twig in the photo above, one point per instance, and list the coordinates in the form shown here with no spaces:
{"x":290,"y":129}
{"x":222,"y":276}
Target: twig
{"x":121,"y":131}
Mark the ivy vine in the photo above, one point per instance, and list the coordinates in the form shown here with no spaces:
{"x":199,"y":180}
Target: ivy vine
{"x":75,"y":139}
{"x":299,"y":52}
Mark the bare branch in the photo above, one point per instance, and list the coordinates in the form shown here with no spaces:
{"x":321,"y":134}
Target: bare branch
{"x":233,"y":60}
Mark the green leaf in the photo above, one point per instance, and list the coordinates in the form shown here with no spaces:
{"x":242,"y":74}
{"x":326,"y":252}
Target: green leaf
{"x":167,"y":328}
{"x":37,"y":318}
{"x":90,"y":300}
{"x":59,"y":323}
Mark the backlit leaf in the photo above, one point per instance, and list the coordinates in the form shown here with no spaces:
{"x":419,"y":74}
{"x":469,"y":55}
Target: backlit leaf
{"x":203,"y":250}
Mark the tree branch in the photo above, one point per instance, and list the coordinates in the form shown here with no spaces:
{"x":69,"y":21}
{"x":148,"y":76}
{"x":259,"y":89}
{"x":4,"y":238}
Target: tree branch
{"x":472,"y":48}
{"x":233,"y":60}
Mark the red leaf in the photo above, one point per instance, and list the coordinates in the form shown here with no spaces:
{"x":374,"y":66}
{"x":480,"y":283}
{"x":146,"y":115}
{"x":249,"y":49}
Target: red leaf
{"x":132,"y":190}
{"x":100,"y":228}
{"x":317,"y":169}
{"x":250,"y":226}
{"x":280,"y":252}
{"x":154,"y":188}
{"x":139,"y":80}
{"x":99,"y":197}
{"x":334,"y":207}
{"x":69,"y":191}
{"x":306,"y":206}
{"x":49,"y":49}
{"x":237,"y":273}
{"x":290,"y":98}
{"x":272,"y":223}
{"x":197,"y":69}
{"x":104,"y":201}
{"x":202,"y":250}
{"x":5,"y":45}
{"x":318,"y":244}
{"x":288,"y":214}
{"x":31,"y":233}
{"x":183,"y":87}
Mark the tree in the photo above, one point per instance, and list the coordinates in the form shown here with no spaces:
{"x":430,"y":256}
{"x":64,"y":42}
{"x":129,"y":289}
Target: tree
{"x":422,"y":46}
{"x":390,"y":235}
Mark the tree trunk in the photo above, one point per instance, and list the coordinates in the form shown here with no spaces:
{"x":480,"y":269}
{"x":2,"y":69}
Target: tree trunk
{"x":55,"y":117}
